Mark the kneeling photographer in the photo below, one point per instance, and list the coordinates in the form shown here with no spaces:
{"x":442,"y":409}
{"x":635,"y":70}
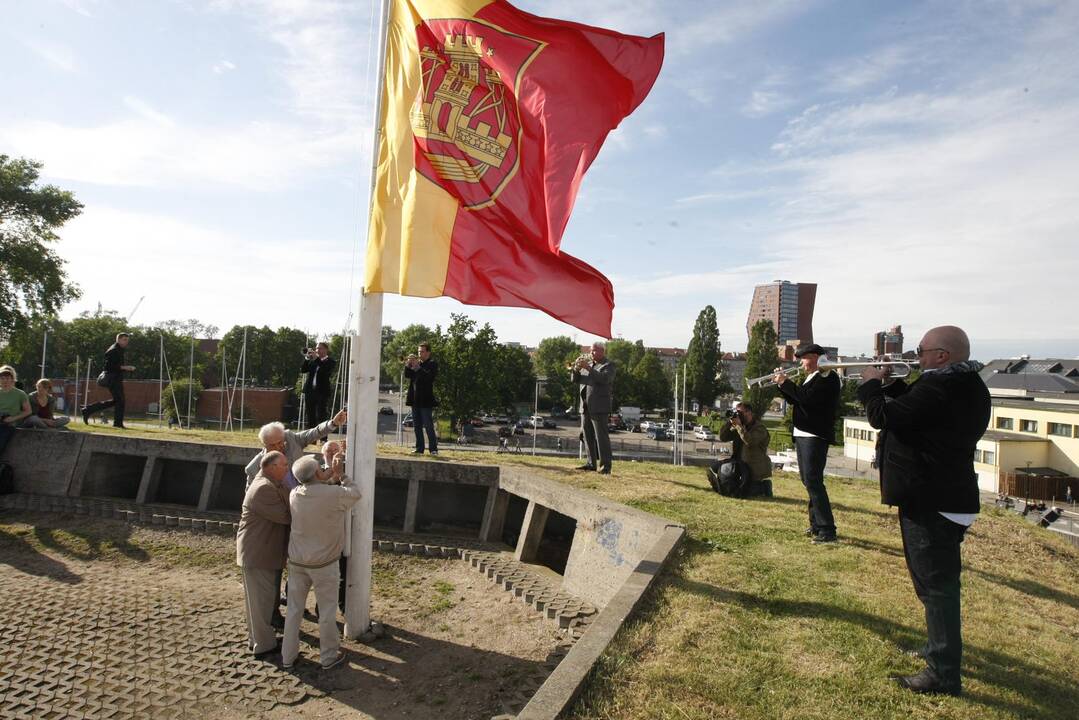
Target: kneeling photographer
{"x":746,"y":473}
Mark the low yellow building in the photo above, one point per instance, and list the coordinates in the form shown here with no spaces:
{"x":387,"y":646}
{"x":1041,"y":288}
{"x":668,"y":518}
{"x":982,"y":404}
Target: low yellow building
{"x":1024,"y":436}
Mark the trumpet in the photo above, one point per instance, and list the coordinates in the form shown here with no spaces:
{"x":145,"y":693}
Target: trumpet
{"x":848,"y":371}
{"x":582,"y":359}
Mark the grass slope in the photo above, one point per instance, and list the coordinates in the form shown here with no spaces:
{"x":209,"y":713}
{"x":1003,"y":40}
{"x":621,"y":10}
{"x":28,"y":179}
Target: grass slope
{"x":752,"y":621}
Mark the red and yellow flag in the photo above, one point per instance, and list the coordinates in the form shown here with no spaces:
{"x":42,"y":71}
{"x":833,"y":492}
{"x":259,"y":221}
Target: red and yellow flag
{"x":491,"y":116}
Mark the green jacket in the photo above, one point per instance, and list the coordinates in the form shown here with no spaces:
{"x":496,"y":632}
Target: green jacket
{"x":750,"y":446}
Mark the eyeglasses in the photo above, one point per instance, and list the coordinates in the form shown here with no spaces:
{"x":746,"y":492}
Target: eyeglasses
{"x":921,"y":350}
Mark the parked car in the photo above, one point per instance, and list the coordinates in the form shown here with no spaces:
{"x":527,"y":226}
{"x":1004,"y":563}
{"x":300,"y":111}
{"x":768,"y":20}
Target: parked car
{"x":489,"y":419}
{"x":386,"y":410}
{"x":538,"y":421}
{"x":658,"y":432}
{"x":407,"y":421}
{"x":703,"y":433}
{"x":476,"y":422}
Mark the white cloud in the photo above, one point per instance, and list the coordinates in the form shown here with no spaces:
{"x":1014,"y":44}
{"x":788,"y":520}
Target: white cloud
{"x":223,"y":66}
{"x":146,"y":150}
{"x":59,"y":56}
{"x":145,"y":111}
{"x":881,"y":65}
{"x":82,"y":7}
{"x":106,"y":251}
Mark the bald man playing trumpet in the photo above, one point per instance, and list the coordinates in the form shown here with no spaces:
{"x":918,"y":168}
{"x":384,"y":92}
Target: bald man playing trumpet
{"x":928,"y":433}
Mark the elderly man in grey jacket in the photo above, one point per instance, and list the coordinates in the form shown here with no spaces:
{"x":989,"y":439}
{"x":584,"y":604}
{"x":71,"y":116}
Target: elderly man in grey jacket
{"x":596,"y":378}
{"x":261,"y":543}
{"x":274,"y":436}
{"x":318,"y":511}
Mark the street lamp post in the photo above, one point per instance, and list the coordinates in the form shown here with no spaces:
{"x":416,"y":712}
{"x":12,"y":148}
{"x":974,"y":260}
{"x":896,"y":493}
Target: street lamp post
{"x":535,"y":413}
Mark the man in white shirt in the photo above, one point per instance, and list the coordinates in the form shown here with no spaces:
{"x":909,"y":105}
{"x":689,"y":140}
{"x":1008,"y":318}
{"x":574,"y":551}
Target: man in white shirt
{"x":315,"y":543}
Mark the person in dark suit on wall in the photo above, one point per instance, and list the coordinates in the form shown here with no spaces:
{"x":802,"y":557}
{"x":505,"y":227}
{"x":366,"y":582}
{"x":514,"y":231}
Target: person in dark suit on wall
{"x":318,"y":369}
{"x":928,"y":432}
{"x":815,"y":402}
{"x":114,"y":381}
{"x":421,"y":371}
{"x":596,"y":378}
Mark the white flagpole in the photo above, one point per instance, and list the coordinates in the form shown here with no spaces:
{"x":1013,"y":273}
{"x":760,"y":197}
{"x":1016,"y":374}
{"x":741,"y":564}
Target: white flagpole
{"x":363,"y":398}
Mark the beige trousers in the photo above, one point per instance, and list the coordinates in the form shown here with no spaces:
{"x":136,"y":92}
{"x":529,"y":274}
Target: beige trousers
{"x":300,"y":580}
{"x":260,"y":598}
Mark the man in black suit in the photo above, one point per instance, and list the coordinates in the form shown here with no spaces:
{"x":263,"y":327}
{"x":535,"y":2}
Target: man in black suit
{"x":928,"y":433}
{"x":318,"y":368}
{"x":114,"y":381}
{"x":596,"y":379}
{"x":815,"y":402}
{"x":421,"y":371}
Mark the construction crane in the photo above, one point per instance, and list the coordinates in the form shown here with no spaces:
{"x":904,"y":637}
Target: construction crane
{"x":135,"y":308}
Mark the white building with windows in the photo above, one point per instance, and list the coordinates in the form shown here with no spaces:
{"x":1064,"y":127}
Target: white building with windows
{"x":1038,"y":435}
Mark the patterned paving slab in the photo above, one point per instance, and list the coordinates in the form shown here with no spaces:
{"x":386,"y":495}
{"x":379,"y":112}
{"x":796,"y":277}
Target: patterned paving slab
{"x":96,"y":648}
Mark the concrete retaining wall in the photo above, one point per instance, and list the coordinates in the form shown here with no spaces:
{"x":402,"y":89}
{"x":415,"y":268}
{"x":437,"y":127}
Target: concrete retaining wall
{"x":594,"y":543}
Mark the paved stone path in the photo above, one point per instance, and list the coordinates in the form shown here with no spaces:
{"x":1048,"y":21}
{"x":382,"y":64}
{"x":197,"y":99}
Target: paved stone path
{"x":93,"y":648}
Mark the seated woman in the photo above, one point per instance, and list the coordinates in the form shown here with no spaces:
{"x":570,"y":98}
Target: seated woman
{"x":43,"y":408}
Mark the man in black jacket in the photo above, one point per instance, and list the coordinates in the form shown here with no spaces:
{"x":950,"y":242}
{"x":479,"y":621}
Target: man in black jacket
{"x":318,"y":368}
{"x":928,"y":432}
{"x":815,"y":403}
{"x":114,"y":381}
{"x":421,"y":373}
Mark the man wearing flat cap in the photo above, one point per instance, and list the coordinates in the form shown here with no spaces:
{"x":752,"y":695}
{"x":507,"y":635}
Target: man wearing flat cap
{"x":315,"y":543}
{"x":815,"y":403}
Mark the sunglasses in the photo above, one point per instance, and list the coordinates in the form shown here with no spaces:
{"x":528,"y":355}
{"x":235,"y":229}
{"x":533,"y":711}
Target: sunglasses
{"x":921,"y":350}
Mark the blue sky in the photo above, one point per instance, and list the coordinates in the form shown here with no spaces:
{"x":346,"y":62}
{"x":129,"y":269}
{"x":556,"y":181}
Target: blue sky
{"x":917,"y":160}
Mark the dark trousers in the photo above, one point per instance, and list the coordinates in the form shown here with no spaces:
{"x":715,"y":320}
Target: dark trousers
{"x":116,"y":389}
{"x":423,"y":420}
{"x":597,"y":440}
{"x":6,"y":433}
{"x":812,"y":454}
{"x":931,"y":545}
{"x":317,"y":408}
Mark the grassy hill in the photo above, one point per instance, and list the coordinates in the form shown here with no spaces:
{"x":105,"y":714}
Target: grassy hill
{"x":751,"y":621}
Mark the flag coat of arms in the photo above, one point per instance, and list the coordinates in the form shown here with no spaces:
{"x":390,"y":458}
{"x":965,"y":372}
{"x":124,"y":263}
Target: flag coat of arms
{"x":490,"y":118}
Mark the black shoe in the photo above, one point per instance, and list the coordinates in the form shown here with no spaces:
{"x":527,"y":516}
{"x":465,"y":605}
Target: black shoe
{"x":265,"y":654}
{"x":811,"y":532}
{"x":278,"y":621}
{"x":587,"y":467}
{"x":85,"y":416}
{"x":605,"y":472}
{"x":121,"y":427}
{"x":926,"y":682}
{"x":823,"y":539}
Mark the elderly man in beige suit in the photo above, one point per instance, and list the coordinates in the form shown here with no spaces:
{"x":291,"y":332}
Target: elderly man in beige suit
{"x":261,"y":544}
{"x":318,"y":512}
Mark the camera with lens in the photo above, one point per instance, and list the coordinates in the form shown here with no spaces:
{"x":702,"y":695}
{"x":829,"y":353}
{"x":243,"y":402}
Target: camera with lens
{"x":730,"y":414}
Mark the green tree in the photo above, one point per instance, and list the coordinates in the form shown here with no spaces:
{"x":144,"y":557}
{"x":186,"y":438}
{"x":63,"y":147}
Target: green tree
{"x":625,"y":354}
{"x":761,"y":357}
{"x":550,"y":360}
{"x":513,"y":378}
{"x":465,"y":358}
{"x":401,"y":344}
{"x":652,"y":382}
{"x":179,"y":389}
{"x":702,"y":361}
{"x":33,"y":284}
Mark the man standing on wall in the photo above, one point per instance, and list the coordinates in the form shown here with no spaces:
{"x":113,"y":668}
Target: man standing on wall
{"x":815,"y":402}
{"x":318,"y":369}
{"x":113,"y":379}
{"x":596,"y":378}
{"x":421,"y":372}
{"x":928,"y":432}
